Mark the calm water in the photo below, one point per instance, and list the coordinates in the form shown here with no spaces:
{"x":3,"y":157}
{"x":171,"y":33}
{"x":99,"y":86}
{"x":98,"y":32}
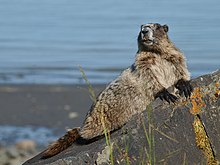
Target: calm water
{"x":44,"y":41}
{"x":10,"y":135}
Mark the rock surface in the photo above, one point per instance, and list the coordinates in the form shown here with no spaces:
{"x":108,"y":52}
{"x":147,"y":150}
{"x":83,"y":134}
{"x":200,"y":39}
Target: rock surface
{"x":185,"y":133}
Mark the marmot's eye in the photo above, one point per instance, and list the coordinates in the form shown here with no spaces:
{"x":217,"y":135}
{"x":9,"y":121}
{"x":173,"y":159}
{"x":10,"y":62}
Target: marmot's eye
{"x":166,"y":28}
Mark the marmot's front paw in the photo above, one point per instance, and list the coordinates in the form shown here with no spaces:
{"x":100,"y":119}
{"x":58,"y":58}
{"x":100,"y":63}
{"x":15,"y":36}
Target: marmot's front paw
{"x":184,"y":87}
{"x":165,"y":95}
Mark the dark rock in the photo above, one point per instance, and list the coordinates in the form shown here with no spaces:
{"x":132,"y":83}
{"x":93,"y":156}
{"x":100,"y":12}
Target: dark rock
{"x":163,"y":134}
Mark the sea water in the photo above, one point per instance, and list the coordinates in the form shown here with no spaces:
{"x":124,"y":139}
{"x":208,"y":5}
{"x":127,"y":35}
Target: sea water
{"x":45,"y":41}
{"x":10,"y":134}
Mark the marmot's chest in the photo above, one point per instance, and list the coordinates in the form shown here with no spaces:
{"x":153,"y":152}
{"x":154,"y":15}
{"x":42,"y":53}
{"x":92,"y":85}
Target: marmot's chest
{"x":165,"y":72}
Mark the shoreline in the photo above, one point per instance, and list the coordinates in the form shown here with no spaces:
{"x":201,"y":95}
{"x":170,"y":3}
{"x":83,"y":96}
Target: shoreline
{"x":53,"y":106}
{"x":34,"y":115}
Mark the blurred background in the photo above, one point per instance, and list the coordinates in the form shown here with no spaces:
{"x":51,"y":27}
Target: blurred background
{"x":43,"y":43}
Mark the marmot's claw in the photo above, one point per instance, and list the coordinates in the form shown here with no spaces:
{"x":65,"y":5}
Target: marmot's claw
{"x":184,"y":87}
{"x":165,"y":95}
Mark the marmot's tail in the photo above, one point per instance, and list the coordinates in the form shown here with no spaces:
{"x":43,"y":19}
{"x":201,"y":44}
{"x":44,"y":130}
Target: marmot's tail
{"x":62,"y":143}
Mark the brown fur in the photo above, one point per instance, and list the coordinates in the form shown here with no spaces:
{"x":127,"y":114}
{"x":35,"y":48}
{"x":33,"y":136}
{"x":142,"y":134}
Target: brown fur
{"x":62,"y":143}
{"x":156,"y":67}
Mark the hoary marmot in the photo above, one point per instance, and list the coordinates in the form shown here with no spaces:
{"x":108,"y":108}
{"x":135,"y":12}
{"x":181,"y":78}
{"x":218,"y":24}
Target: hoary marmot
{"x":158,"y":65}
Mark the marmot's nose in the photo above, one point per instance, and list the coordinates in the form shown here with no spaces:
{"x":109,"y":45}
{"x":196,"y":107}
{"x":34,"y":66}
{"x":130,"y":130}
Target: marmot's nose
{"x":145,"y":32}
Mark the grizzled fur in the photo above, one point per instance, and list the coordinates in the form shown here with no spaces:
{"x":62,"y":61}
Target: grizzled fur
{"x":158,"y":65}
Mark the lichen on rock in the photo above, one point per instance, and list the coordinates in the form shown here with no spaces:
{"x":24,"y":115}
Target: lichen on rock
{"x":194,"y":124}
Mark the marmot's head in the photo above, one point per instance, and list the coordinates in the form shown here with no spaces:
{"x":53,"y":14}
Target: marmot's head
{"x":152,"y":36}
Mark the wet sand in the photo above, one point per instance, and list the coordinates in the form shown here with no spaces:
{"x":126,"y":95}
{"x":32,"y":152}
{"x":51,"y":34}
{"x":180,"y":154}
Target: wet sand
{"x":53,"y":106}
{"x":56,"y":107}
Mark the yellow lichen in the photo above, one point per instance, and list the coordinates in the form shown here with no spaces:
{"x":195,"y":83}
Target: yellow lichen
{"x":198,"y":104}
{"x":197,"y":101}
{"x":203,"y":142}
{"x":217,"y":91}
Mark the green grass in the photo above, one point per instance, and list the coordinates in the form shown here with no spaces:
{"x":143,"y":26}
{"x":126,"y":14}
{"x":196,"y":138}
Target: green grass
{"x":124,"y":152}
{"x":108,"y":139}
{"x":91,"y":91}
{"x":149,"y":135}
{"x":147,"y":155}
{"x":106,"y":132}
{"x":150,"y":152}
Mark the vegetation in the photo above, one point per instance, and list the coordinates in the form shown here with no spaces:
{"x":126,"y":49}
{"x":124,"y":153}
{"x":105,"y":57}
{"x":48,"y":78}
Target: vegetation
{"x":196,"y":104}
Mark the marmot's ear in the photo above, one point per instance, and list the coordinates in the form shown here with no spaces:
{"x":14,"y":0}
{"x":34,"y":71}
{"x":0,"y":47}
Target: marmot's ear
{"x":166,"y":28}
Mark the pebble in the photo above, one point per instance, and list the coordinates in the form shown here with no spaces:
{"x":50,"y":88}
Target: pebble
{"x":27,"y":145}
{"x":18,"y":153}
{"x":73,"y":115}
{"x":3,"y":157}
{"x":12,"y":152}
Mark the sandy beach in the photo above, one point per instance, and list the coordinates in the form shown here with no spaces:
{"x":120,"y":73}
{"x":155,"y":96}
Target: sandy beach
{"x":30,"y":112}
{"x":53,"y":106}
